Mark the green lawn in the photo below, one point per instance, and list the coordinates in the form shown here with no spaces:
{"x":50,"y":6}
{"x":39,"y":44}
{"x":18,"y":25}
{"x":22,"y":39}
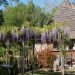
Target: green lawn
{"x":48,"y":73}
{"x":44,"y":73}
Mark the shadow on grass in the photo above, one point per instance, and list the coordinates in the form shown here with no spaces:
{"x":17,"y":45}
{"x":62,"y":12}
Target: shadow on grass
{"x":70,"y":73}
{"x":44,"y":73}
{"x":49,"y":73}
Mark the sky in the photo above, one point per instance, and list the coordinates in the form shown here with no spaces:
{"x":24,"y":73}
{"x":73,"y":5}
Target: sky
{"x":44,"y":3}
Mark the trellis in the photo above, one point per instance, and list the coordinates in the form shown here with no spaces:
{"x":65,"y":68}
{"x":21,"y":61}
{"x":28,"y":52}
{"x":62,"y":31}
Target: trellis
{"x":29,"y":36}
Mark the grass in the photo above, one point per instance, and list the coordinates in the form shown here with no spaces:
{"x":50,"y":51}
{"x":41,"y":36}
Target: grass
{"x":48,"y":73}
{"x":43,"y":73}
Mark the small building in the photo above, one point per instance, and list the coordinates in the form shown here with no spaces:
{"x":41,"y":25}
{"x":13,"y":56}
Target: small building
{"x":66,"y":14}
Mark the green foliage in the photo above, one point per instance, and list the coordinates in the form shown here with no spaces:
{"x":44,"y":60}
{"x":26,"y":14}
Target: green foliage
{"x":5,"y":29}
{"x":5,"y":2}
{"x":1,"y":17}
{"x":63,"y":51}
{"x":21,"y":14}
{"x":14,"y":16}
{"x":2,"y":49}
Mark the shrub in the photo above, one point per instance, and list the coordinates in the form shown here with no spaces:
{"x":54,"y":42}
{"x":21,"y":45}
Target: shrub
{"x":45,"y":59}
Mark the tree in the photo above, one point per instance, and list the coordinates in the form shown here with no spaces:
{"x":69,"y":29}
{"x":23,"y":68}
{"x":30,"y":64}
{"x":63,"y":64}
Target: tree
{"x":1,"y":18}
{"x":16,"y":15}
{"x":2,"y":2}
{"x":63,"y":40}
{"x":21,"y":14}
{"x":5,"y":2}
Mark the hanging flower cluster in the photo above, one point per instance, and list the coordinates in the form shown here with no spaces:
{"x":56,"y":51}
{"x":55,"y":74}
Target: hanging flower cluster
{"x":34,"y":34}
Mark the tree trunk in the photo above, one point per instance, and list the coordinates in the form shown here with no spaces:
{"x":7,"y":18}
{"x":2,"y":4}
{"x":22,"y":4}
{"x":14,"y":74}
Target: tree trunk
{"x":62,"y":65}
{"x":54,"y":66}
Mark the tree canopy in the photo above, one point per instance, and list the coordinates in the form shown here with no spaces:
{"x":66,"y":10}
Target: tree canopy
{"x":5,"y":2}
{"x":21,"y":14}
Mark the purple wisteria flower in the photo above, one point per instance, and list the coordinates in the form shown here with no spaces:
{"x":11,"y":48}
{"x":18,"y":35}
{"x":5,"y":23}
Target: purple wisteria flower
{"x":1,"y":37}
{"x":43,"y":37}
{"x":14,"y":36}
